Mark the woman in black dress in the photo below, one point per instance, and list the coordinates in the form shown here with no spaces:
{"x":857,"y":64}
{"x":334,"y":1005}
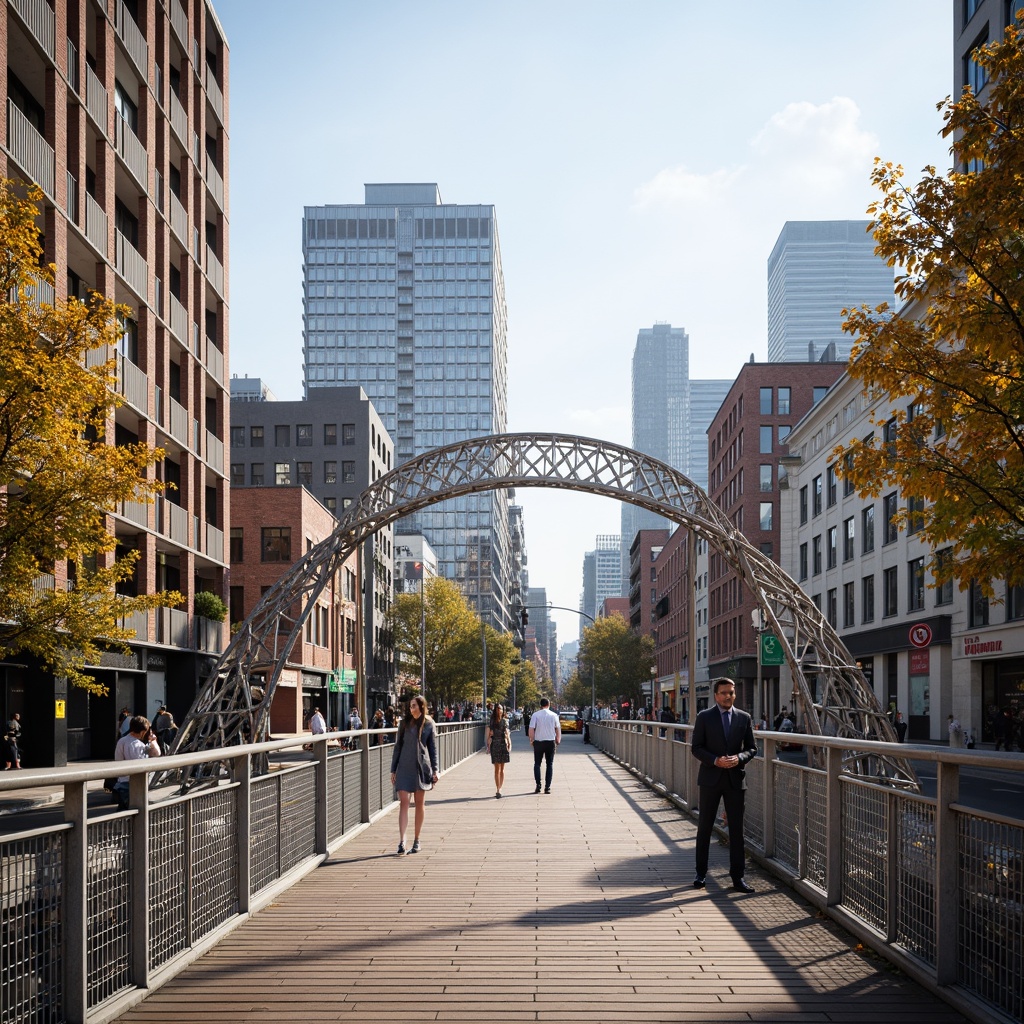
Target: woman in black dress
{"x":499,"y":746}
{"x":413,"y":768}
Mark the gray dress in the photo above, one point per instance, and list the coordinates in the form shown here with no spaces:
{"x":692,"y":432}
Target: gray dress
{"x":500,"y":753}
{"x":405,"y":761}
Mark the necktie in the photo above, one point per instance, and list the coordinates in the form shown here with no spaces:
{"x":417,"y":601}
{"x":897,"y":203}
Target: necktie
{"x":726,"y":722}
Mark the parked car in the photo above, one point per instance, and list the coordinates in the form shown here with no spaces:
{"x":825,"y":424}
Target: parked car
{"x":570,"y":721}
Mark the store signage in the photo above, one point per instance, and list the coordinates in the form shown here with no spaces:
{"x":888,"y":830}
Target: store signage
{"x":920,"y":663}
{"x":921,"y":634}
{"x":771,"y":650}
{"x":974,"y":645}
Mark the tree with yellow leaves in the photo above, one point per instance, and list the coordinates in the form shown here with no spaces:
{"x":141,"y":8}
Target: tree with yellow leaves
{"x":59,"y":476}
{"x":952,"y":359}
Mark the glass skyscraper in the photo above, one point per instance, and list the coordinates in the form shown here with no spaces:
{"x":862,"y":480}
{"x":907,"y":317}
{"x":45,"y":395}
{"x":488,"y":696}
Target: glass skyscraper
{"x":404,"y":295}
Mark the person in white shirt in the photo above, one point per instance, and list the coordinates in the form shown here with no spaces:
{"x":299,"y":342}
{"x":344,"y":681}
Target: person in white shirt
{"x":139,"y":742}
{"x":317,"y":722}
{"x":545,"y":735}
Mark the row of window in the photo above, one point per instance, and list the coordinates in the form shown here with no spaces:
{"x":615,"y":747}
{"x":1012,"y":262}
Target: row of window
{"x":283,"y":434}
{"x":283,"y":473}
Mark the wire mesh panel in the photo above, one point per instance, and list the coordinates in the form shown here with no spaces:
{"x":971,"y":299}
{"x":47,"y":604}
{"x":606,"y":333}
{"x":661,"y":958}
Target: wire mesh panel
{"x":753,"y":815}
{"x":168,"y":883}
{"x":991,"y":935}
{"x":376,"y":776}
{"x":335,"y":798}
{"x":31,"y":979}
{"x":787,"y":814}
{"x":815,"y":828}
{"x":865,"y":845}
{"x":264,"y":865}
{"x":352,"y":785}
{"x":915,"y":877}
{"x":109,"y":908}
{"x":298,"y":816}
{"x":214,"y":860}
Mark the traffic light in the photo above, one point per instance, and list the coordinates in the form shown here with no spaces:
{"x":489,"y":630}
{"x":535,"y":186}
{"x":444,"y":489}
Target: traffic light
{"x":524,"y":617}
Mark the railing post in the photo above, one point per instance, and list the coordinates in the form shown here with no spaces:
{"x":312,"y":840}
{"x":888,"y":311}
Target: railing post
{"x":947,"y":883}
{"x":75,"y":903}
{"x":242,"y":769}
{"x":364,"y":778}
{"x":138,"y":800}
{"x":892,"y":865}
{"x":768,"y":798}
{"x":801,"y":852}
{"x":833,"y":827}
{"x":320,"y":840}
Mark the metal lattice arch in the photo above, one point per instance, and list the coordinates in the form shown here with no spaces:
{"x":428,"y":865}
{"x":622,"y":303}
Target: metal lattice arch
{"x":229,"y":710}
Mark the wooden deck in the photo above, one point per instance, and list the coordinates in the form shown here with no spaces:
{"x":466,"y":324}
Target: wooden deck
{"x":574,"y":906}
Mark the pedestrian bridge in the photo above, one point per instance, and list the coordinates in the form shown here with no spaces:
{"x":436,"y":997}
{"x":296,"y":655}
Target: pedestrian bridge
{"x":279,"y":898}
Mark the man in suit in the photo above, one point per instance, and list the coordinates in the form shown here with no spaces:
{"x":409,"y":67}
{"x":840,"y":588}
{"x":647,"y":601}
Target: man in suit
{"x":723,"y":742}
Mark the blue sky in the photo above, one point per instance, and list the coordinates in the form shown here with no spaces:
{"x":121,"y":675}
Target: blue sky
{"x":641,"y":157}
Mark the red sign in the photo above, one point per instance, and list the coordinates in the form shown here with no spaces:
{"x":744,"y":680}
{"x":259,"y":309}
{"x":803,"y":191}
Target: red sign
{"x":921,"y":634}
{"x":920,"y":663}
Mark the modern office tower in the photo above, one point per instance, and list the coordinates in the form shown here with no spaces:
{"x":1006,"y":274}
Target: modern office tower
{"x":602,"y":577}
{"x":404,"y":296}
{"x":544,"y":625}
{"x":817,"y":269}
{"x":121,"y":120}
{"x":334,"y":444}
{"x":250,"y":389}
{"x":706,"y":397}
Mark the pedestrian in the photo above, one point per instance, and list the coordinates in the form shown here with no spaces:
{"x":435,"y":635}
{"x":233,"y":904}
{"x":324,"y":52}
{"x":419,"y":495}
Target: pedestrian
{"x":545,"y":735}
{"x":377,"y":722}
{"x":317,"y":722}
{"x":139,"y":742}
{"x":723,"y":742}
{"x":780,"y":718}
{"x":414,"y":769}
{"x":901,"y":727}
{"x":354,"y":722}
{"x":12,"y":739}
{"x":165,"y":728}
{"x":124,"y":722}
{"x":955,"y":734}
{"x":499,"y":746}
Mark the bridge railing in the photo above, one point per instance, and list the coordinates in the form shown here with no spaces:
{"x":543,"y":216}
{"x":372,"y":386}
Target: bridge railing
{"x":101,"y":907}
{"x":931,"y":883}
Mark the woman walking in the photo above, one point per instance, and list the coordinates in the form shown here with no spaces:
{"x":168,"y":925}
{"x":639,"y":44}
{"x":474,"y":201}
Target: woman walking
{"x":499,"y":746}
{"x":413,"y":768}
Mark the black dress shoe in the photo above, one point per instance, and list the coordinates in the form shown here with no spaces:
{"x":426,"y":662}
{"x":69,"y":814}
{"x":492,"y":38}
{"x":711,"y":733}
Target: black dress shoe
{"x":537,"y":790}
{"x":698,"y":882}
{"x":741,"y":886}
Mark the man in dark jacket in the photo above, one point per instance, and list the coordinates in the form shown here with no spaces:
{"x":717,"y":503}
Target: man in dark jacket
{"x":723,"y":742}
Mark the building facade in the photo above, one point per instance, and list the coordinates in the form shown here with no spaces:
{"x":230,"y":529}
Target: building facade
{"x":817,"y":269}
{"x":602,"y":576}
{"x":334,"y":445}
{"x":119,"y":113}
{"x":404,"y":296}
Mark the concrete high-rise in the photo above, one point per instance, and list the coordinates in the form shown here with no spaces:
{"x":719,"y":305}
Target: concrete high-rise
{"x":602,"y":576}
{"x":404,"y":296}
{"x":817,"y":269}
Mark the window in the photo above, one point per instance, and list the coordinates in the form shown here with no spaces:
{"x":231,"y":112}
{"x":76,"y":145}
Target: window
{"x":816,"y":486}
{"x":237,"y":474}
{"x":890,"y":592}
{"x":766,"y":478}
{"x":915,"y":515}
{"x":849,"y":537}
{"x":766,"y":401}
{"x":331,"y":504}
{"x":282,"y":435}
{"x":330,"y":472}
{"x":766,"y":441}
{"x":816,"y":600}
{"x":803,"y":504}
{"x":784,"y":433}
{"x":348,"y":433}
{"x":977,"y":606}
{"x":974,"y":74}
{"x":943,"y":591}
{"x":849,"y":612}
{"x":1014,"y":603}
{"x":784,"y":394}
{"x":848,"y":487}
{"x":915,"y":585}
{"x":304,"y":473}
{"x":816,"y":554}
{"x":256,"y":437}
{"x":830,"y":486}
{"x":766,"y":515}
{"x":276,"y":544}
{"x":282,"y":473}
{"x":867,"y":529}
{"x":238,"y":437}
{"x":889,"y":515}
{"x":237,"y":599}
{"x":330,"y":433}
{"x":125,"y":107}
{"x":832,"y":608}
{"x":970,"y":9}
{"x":819,"y":394}
{"x":867,"y":599}
{"x":304,"y":435}
{"x":832,"y":546}
{"x":803,"y":561}
{"x":348,"y":472}
{"x":236,"y":549}
{"x":256,"y":474}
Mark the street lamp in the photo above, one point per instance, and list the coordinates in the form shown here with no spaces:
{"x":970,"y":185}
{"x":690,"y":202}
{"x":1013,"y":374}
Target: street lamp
{"x":757,"y":620}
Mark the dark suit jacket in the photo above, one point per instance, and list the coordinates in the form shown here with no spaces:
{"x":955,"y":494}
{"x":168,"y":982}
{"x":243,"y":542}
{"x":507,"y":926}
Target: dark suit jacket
{"x":709,"y":741}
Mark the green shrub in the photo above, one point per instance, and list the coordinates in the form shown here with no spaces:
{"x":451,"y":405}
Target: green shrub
{"x":210,"y":606}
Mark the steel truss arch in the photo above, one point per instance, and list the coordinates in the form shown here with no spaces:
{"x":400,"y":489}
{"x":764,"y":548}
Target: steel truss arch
{"x":229,"y":710}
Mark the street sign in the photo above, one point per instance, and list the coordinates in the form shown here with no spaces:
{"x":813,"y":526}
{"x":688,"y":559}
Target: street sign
{"x":771,"y":650}
{"x":342,"y":681}
{"x":921,"y":635}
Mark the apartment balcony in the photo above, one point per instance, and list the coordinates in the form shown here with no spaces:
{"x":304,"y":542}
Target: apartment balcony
{"x":215,"y":183}
{"x":172,"y":521}
{"x":136,"y":512}
{"x":179,"y":321}
{"x":96,"y":99}
{"x":179,"y":121}
{"x":132,"y":152}
{"x":133,"y":40}
{"x":214,"y":543}
{"x":128,"y":262}
{"x":133,"y":384}
{"x":215,"y":96}
{"x":215,"y":272}
{"x":139,"y":621}
{"x":39,"y":20}
{"x":179,"y":220}
{"x":38,"y":293}
{"x":209,"y":635}
{"x":71,"y":198}
{"x":73,"y":80}
{"x":215,"y":453}
{"x":96,"y":225}
{"x":30,"y":149}
{"x":177,"y":425}
{"x":172,"y":624}
{"x":179,"y":22}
